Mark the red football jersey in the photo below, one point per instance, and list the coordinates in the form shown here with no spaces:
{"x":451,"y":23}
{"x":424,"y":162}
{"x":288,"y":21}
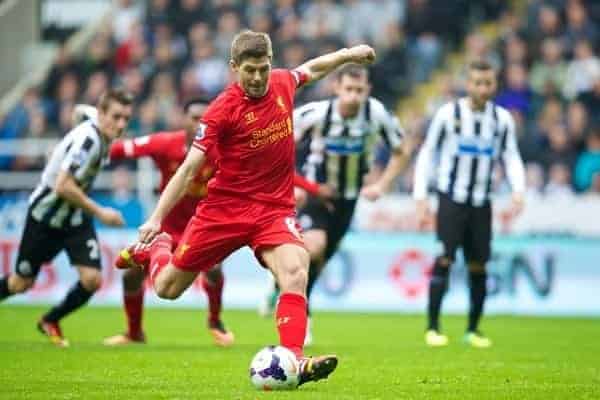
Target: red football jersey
{"x":254,"y":139}
{"x":168,"y":150}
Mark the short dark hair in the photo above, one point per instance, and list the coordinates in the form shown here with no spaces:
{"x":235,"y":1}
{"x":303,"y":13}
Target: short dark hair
{"x":118,"y":95}
{"x":352,"y":70}
{"x":480,"y":65}
{"x":200,"y":100}
{"x":248,"y":44}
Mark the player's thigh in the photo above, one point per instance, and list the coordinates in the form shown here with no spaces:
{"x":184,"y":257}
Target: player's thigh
{"x":478,"y":236}
{"x":289,"y":263}
{"x":206,"y":243}
{"x":451,"y":223}
{"x":315,"y":241}
{"x":82,"y":246}
{"x":172,"y":281}
{"x":39,"y":244}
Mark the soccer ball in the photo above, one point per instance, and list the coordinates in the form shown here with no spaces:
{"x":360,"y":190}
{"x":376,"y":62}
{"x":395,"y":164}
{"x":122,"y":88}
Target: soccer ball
{"x":274,"y":368}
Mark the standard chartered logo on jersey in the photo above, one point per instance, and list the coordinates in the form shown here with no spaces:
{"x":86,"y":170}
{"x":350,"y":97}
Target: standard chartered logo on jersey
{"x":272,"y":133}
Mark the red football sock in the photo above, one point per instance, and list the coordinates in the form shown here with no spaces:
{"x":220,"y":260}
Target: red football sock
{"x":214,"y":291}
{"x":160,"y":257}
{"x":134,"y":306}
{"x":291,"y":321}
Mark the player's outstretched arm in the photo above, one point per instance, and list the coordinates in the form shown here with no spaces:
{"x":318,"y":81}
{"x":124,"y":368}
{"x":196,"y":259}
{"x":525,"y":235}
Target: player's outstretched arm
{"x":67,"y":189}
{"x":319,"y":67}
{"x":172,"y":194}
{"x":396,"y":164}
{"x":515,"y":169}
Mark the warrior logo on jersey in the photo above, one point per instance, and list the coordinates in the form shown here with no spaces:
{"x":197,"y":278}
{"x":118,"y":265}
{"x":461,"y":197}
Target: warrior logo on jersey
{"x":250,"y":118}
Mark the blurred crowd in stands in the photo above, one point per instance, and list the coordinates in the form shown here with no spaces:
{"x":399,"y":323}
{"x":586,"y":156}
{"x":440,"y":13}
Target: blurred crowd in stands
{"x":168,"y":51}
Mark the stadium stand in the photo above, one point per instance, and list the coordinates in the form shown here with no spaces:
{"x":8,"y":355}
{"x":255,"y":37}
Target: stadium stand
{"x":167,"y":51}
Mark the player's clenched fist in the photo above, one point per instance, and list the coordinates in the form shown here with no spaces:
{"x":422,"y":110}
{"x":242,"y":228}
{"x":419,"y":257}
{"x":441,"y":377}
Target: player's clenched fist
{"x":111,"y":217}
{"x":361,"y":54}
{"x":149,"y":230}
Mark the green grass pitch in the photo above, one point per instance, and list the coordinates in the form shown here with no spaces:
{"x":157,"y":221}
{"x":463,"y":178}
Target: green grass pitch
{"x":382,"y":356}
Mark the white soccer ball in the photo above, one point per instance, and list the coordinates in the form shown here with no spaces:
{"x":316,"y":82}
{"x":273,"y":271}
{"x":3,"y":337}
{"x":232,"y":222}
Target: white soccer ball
{"x":274,"y":368}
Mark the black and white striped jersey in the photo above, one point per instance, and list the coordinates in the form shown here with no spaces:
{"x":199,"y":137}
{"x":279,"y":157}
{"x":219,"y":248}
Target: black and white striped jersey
{"x":468,"y":144}
{"x":82,"y":152}
{"x":338,"y":151}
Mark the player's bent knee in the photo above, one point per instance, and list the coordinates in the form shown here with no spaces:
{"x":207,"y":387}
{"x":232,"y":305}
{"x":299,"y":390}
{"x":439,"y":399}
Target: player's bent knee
{"x":92,"y":282}
{"x":166,"y":289}
{"x":214,"y":275}
{"x":133,"y":279}
{"x":167,"y":292}
{"x":19,"y":284}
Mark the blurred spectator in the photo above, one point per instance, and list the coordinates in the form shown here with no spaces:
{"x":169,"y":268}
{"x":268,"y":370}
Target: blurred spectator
{"x":534,"y":178}
{"x":159,"y":12}
{"x":148,"y":119}
{"x":228,"y":26}
{"x":133,"y":81}
{"x":198,"y":34}
{"x":579,"y":27}
{"x":211,"y":71}
{"x":188,"y":86}
{"x":125,"y":14}
{"x":191,"y":12}
{"x":546,"y":26}
{"x":37,"y":129}
{"x":293,"y":54}
{"x":162,"y":35}
{"x":63,"y":64}
{"x":591,"y":100}
{"x":548,"y":75}
{"x":422,"y":28}
{"x":582,"y":71}
{"x":388,"y":77}
{"x":559,"y":181}
{"x":577,"y":124}
{"x":97,"y":57}
{"x":515,"y":51}
{"x":516,"y":94}
{"x":358,"y":29}
{"x":97,"y":84}
{"x":163,"y":93}
{"x":558,"y":149}
{"x":123,"y":199}
{"x":322,"y":19}
{"x":588,"y":163}
{"x":477,"y":47}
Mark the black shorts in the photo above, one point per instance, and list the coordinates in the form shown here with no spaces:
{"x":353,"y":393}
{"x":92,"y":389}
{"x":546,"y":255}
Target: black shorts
{"x":461,"y":225}
{"x":315,"y":215}
{"x":40,"y":243}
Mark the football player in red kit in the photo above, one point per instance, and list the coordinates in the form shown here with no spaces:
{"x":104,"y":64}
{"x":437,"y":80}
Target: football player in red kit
{"x":168,"y":150}
{"x":250,"y":201}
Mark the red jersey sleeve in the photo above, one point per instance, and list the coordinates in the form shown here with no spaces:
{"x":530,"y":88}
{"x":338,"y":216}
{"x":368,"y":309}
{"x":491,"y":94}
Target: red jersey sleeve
{"x":303,"y":183}
{"x":143,"y":146}
{"x":292,"y":79}
{"x":213,"y":124}
{"x":299,"y":77}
